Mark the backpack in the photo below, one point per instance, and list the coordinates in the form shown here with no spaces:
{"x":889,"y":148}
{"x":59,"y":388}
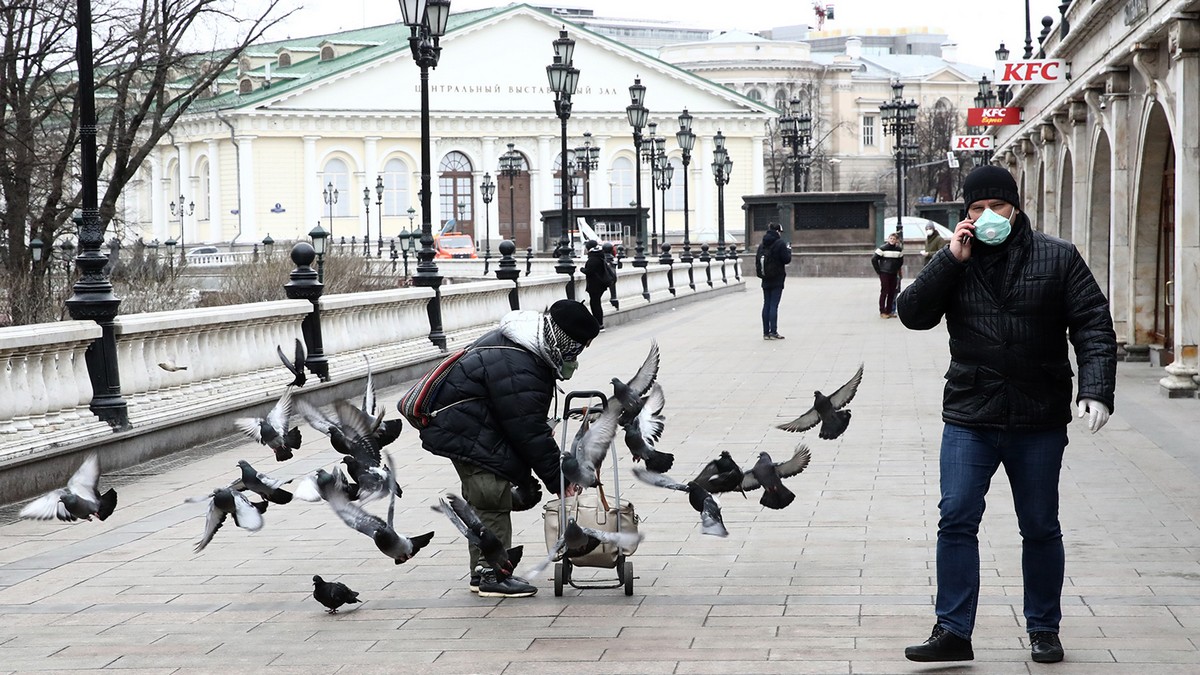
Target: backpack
{"x":610,"y":274}
{"x":766,"y":264}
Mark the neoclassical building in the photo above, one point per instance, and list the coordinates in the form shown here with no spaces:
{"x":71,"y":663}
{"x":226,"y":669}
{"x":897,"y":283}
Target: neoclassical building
{"x":1110,"y":160}
{"x":258,"y":156}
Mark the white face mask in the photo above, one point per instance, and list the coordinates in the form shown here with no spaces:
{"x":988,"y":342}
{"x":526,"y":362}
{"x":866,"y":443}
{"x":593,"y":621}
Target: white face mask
{"x":991,"y":228}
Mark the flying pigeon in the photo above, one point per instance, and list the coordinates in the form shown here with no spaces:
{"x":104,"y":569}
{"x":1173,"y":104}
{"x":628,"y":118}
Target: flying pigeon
{"x":361,"y":438}
{"x":701,"y":500}
{"x":270,"y":489}
{"x":645,"y":429}
{"x":394,"y":545}
{"x":314,"y":486}
{"x":501,"y":559}
{"x":629,"y":394}
{"x":170,"y":366}
{"x":80,"y":500}
{"x":333,"y":594}
{"x":828,"y":410}
{"x":384,"y":431}
{"x":768,"y":475}
{"x":296,"y":367}
{"x":721,"y":475}
{"x":272,"y":431}
{"x":581,"y":463}
{"x":577,"y":540}
{"x":228,"y":502}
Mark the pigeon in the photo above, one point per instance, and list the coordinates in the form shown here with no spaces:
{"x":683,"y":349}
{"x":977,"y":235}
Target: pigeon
{"x":296,"y":367}
{"x":228,"y":502}
{"x":501,"y":559}
{"x":170,"y":366}
{"x":361,"y":438}
{"x":525,"y":497}
{"x":768,"y":475}
{"x":630,"y":394}
{"x":644,"y":429}
{"x":577,"y":540}
{"x":828,"y":410}
{"x":80,"y":500}
{"x":394,"y":545}
{"x":314,"y":486}
{"x":270,"y":489}
{"x":272,"y":431}
{"x":721,"y":475}
{"x":701,"y":500}
{"x":384,"y":431}
{"x":333,"y":594}
{"x":581,"y":464}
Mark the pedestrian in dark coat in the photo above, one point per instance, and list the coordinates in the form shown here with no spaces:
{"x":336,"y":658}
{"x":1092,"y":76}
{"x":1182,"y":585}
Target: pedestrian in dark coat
{"x":493,"y":409}
{"x":770,"y":264}
{"x":888,"y":261}
{"x":596,"y":274}
{"x":1012,"y":298}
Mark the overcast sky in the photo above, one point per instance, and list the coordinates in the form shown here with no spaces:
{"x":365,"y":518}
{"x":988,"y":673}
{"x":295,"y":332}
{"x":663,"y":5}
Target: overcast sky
{"x":977,"y":28}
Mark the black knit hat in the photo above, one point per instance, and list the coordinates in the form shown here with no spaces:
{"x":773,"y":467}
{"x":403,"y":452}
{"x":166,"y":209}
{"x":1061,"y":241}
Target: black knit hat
{"x":575,"y":320}
{"x":990,"y":182}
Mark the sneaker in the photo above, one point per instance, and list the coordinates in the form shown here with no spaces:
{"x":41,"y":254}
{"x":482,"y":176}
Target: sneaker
{"x":1045,"y":647}
{"x":474,"y":583}
{"x":776,"y":336}
{"x":768,"y":336}
{"x":884,"y":315}
{"x":942,"y":645}
{"x":511,"y":587}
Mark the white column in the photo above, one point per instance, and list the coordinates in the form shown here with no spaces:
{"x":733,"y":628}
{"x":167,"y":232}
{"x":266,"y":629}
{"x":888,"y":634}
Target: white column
{"x":1120,"y":255}
{"x":370,"y":171}
{"x":187,"y":223}
{"x":216,"y":216}
{"x":542,"y":186}
{"x":601,"y":194}
{"x":1051,"y":161}
{"x":1081,"y":191}
{"x":158,"y":187}
{"x":705,"y":224}
{"x":758,"y":174}
{"x":312,"y":187}
{"x":249,"y":213}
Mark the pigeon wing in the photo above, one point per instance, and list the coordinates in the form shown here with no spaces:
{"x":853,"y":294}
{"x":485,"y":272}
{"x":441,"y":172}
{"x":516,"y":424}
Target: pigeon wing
{"x":445,"y":507}
{"x":286,"y":363}
{"x":48,"y":507}
{"x":85,"y":482}
{"x":661,"y":480}
{"x":212,"y":523}
{"x":647,"y":374}
{"x":621,"y":540}
{"x":359,"y":427}
{"x":278,"y":417}
{"x":315,"y":418}
{"x":796,"y":464}
{"x":594,"y":444}
{"x":368,"y":404}
{"x":808,"y":420}
{"x":306,"y":489}
{"x":704,"y":478}
{"x":354,"y":515}
{"x":245,"y":514}
{"x":249,"y":426}
{"x":552,"y":555}
{"x":845,"y":393}
{"x":749,"y":482}
{"x":650,"y":419}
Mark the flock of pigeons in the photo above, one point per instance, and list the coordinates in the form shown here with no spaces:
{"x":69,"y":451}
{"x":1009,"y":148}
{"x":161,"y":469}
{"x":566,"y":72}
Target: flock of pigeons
{"x":359,"y":433}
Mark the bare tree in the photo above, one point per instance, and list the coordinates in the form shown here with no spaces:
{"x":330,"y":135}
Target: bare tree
{"x":807,"y":87}
{"x":931,"y":175}
{"x":149,"y":71}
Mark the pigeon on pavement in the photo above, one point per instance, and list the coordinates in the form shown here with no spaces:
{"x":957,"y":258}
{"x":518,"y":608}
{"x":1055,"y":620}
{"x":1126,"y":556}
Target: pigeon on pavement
{"x":80,"y":500}
{"x":577,"y":540}
{"x":502,"y":560}
{"x":827,"y":411}
{"x":721,"y":475}
{"x":228,"y":502}
{"x":272,"y":430}
{"x":296,"y":367}
{"x":701,"y":500}
{"x":270,"y":489}
{"x":333,"y":594}
{"x":394,"y":545}
{"x":768,"y":475}
{"x":630,"y":394}
{"x":645,"y":429}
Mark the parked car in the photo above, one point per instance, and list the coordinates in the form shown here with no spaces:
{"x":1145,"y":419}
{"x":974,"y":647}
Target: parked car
{"x":202,"y":251}
{"x":454,"y":245}
{"x":914,"y":229}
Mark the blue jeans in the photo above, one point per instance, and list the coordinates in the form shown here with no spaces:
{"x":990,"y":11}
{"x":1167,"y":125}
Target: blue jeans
{"x":770,"y":313}
{"x":969,"y":459}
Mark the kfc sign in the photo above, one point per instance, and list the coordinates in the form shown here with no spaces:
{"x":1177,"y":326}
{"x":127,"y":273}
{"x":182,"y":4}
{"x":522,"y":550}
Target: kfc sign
{"x":1031,"y":72}
{"x":993,"y":117}
{"x":970,"y":143}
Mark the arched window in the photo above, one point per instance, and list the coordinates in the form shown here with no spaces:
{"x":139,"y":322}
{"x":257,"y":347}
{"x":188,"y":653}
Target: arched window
{"x":455,"y":186}
{"x":204,"y":190}
{"x":576,"y":175}
{"x":781,"y":100}
{"x":674,"y":195}
{"x":396,"y":199}
{"x":245,"y":86}
{"x":620,"y":176}
{"x":285,"y":59}
{"x":327,"y":53}
{"x":337,"y":173}
{"x":754,"y":95}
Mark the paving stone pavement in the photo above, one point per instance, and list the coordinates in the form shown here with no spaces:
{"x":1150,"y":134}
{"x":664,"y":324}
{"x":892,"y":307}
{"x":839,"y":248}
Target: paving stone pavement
{"x":839,"y":582}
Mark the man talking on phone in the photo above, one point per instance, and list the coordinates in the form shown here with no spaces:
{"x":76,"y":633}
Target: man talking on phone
{"x":1012,"y":298}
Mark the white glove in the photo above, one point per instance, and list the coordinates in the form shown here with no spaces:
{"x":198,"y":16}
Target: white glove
{"x":1097,"y":413}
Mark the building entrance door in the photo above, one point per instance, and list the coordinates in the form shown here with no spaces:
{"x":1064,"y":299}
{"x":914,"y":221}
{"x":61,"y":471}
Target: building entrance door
{"x":512,"y":201}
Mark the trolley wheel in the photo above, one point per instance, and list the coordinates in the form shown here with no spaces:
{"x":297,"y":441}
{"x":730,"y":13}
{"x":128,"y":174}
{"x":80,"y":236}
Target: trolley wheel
{"x":558,"y":580}
{"x":628,"y":574}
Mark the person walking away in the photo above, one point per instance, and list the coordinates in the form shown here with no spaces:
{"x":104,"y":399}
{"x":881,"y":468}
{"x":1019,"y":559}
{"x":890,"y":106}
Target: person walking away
{"x":610,"y":260}
{"x":1012,"y":298}
{"x":933,"y":243}
{"x":888,"y":261}
{"x":493,"y":407}
{"x":770,"y":264}
{"x":596,"y":272}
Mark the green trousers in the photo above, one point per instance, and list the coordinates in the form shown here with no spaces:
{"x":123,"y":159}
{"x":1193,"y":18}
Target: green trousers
{"x":491,"y":497}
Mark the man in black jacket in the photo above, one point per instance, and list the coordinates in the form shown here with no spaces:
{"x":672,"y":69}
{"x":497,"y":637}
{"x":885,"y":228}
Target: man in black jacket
{"x":770,"y":264}
{"x":493,"y":418}
{"x":1011,"y":297}
{"x":888,"y":262}
{"x":598,"y":278}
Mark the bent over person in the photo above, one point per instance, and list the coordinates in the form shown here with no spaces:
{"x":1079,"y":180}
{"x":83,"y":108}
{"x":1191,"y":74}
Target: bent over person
{"x":492,"y":421}
{"x":1012,"y":298}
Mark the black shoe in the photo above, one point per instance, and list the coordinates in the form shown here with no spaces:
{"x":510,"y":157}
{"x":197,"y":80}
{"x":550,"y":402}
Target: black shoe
{"x":1045,"y":647}
{"x":776,"y":336}
{"x":942,"y":645}
{"x":474,"y":583}
{"x":511,"y":587}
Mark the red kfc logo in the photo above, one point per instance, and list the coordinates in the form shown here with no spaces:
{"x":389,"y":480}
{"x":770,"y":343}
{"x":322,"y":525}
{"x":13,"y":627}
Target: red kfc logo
{"x":970,"y":143}
{"x":992,"y":117}
{"x":1032,"y":72}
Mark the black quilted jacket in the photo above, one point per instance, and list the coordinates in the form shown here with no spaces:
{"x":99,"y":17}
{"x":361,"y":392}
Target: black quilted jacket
{"x":1008,"y":351}
{"x":504,"y":428}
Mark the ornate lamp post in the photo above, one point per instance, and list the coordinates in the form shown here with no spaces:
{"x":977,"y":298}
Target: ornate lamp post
{"x":587,"y":159}
{"x":511,"y":164}
{"x":797,"y":133}
{"x":379,"y":212}
{"x":986,"y":98}
{"x":330,"y":195}
{"x":488,"y":190}
{"x":319,"y":241}
{"x":564,"y":78}
{"x":426,"y":20}
{"x":406,"y":238}
{"x":367,"y":211}
{"x":305,"y":284}
{"x":637,"y":113}
{"x":649,"y":156}
{"x":687,"y":142}
{"x":268,"y":245}
{"x":191,"y":208}
{"x":722,"y":167}
{"x":899,"y":118}
{"x":663,"y":172}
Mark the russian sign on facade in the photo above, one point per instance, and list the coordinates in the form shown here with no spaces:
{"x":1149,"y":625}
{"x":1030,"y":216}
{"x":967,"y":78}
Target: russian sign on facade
{"x":993,"y":117}
{"x":1043,"y":71}
{"x":970,"y":143}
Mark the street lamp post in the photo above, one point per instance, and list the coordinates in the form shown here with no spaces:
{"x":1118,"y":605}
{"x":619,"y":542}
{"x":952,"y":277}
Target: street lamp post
{"x":191,"y":208}
{"x":319,"y":237}
{"x":330,"y":195}
{"x":426,"y":20}
{"x":687,"y":142}
{"x":268,"y":246}
{"x":405,"y":244}
{"x":171,"y":244}
{"x":379,"y":212}
{"x":637,"y":113}
{"x":367,"y":211}
{"x":487,"y":190}
{"x":649,"y":156}
{"x":587,"y":158}
{"x":986,"y":98}
{"x":663,"y":172}
{"x":899,"y":118}
{"x":511,"y":164}
{"x":564,"y":78}
{"x":722,"y":167}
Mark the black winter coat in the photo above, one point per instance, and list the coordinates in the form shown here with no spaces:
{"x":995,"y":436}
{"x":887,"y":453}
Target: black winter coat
{"x":595,"y":271}
{"x":505,"y":429}
{"x":1009,"y":366}
{"x":888,"y":259}
{"x":771,"y":260}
